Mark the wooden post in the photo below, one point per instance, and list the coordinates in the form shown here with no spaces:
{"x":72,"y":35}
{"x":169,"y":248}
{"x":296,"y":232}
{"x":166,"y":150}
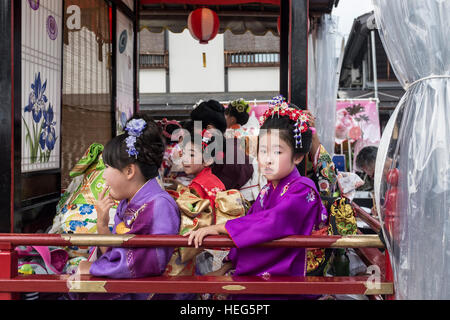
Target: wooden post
{"x":294,"y":15}
{"x":8,"y":268}
{"x":7,"y":67}
{"x":294,"y":51}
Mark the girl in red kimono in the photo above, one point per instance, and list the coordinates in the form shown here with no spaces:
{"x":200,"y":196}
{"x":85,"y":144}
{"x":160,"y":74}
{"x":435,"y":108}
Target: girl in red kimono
{"x":205,"y":183}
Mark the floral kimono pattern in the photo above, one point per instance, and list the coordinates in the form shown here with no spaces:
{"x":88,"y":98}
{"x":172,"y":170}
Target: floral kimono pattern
{"x":342,"y":216}
{"x":293,"y":207}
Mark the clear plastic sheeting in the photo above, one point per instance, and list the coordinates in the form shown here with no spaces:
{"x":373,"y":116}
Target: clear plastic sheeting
{"x":322,"y":78}
{"x":412,"y":175}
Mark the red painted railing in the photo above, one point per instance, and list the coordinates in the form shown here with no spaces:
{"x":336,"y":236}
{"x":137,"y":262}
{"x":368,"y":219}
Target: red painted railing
{"x":367,"y":247}
{"x":11,"y":283}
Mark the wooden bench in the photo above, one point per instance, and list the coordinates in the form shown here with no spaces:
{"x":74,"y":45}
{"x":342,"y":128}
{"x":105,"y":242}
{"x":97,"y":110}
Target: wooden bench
{"x":12,"y":283}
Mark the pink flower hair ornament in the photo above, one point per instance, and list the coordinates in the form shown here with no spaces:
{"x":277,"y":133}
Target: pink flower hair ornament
{"x":280,"y":108}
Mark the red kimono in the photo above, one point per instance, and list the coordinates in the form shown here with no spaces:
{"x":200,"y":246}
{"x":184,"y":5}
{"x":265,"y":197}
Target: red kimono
{"x":206,"y":184}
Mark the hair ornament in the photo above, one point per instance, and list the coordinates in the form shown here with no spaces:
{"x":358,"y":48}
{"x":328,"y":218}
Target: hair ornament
{"x":134,"y":128}
{"x":241,"y":105}
{"x":279,"y":107}
{"x":206,"y":139}
{"x":199,"y":102}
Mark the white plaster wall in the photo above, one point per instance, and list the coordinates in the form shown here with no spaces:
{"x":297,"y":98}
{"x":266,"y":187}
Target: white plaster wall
{"x":187,"y":73}
{"x":152,"y":80}
{"x":254,"y":79}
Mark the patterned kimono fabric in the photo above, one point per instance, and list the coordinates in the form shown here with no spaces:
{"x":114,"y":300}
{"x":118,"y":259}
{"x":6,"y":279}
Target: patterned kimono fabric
{"x":205,"y":185}
{"x":342,"y":217}
{"x":151,"y":211}
{"x":236,"y":131}
{"x":293,"y":207}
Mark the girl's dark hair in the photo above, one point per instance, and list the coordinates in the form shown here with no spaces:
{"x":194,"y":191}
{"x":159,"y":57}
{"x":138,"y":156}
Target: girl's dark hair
{"x":286,"y":127}
{"x":241,"y":117}
{"x":210,"y":112}
{"x":150,"y":146}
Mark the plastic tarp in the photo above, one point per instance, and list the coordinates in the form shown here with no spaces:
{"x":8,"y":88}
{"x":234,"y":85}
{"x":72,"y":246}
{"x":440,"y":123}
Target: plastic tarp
{"x":412,"y":175}
{"x":322,"y":78}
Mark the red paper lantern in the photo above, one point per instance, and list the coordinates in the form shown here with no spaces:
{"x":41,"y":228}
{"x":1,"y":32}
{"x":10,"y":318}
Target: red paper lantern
{"x":203,"y":24}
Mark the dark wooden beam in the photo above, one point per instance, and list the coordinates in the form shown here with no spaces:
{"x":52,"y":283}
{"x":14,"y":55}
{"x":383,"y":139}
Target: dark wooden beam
{"x":298,"y":68}
{"x":136,"y":50}
{"x":6,"y":116}
{"x":284,"y":47}
{"x":294,"y":55}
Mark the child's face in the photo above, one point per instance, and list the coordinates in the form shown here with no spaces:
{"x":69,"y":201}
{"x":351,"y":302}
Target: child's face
{"x":275,"y":157}
{"x":192,"y":159}
{"x":116,"y":180}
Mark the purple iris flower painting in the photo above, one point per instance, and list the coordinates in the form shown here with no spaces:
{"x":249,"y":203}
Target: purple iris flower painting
{"x":34,"y":4}
{"x":40,"y":134}
{"x":37,"y":98}
{"x":52,"y":28}
{"x":48,"y":135}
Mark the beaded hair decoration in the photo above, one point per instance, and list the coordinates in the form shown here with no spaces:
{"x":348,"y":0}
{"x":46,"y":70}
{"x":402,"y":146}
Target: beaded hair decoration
{"x":279,"y":107}
{"x":134,"y":128}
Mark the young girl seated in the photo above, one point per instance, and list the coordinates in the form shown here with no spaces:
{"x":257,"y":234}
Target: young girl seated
{"x":203,"y":188}
{"x":205,"y":183}
{"x":132,"y":161}
{"x":288,"y":205}
{"x":233,"y":173}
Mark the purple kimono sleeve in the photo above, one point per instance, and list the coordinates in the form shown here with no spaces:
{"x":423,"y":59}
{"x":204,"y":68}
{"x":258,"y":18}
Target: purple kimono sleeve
{"x":161,"y":216}
{"x":294,"y":213}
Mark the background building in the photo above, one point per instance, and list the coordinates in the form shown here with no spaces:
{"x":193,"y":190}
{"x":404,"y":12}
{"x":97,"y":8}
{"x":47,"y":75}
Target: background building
{"x":176,"y":71}
{"x":357,"y":73}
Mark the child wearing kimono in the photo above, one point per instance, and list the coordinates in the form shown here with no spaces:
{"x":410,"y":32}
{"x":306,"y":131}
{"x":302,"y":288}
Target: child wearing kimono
{"x":233,"y":173}
{"x":197,"y":160}
{"x":132,"y":161}
{"x":288,"y":205}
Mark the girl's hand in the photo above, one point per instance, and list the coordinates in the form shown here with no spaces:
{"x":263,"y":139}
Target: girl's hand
{"x":104,"y":203}
{"x":198,"y":235}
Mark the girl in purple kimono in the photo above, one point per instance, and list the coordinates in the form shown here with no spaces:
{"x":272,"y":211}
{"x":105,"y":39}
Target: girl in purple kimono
{"x":288,"y":205}
{"x":132,"y":161}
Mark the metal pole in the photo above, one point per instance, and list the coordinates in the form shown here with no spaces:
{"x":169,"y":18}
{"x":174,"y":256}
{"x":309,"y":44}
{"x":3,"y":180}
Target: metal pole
{"x":374,"y":64}
{"x":145,"y":241}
